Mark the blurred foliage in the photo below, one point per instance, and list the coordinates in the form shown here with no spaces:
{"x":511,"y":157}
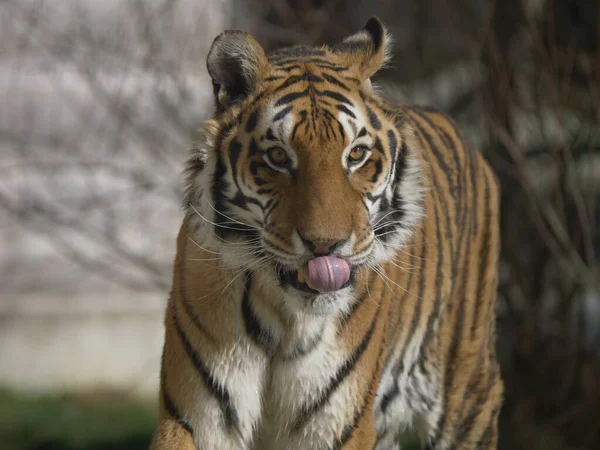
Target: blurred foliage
{"x":92,"y":422}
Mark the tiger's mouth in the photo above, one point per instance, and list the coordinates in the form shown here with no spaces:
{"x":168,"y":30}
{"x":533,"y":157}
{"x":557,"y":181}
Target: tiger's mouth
{"x":319,"y":275}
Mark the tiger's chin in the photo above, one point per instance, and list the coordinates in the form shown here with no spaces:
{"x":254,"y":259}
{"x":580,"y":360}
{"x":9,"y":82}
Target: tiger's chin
{"x":318,"y":303}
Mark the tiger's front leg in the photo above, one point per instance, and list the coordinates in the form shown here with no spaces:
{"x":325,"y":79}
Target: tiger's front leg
{"x":210,"y":395}
{"x":170,"y":434}
{"x":472,"y":422}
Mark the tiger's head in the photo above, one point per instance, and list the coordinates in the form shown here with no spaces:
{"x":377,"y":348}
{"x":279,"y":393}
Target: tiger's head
{"x":303,"y":172}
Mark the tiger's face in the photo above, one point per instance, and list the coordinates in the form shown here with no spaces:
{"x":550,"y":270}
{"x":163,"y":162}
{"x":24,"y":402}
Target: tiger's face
{"x":303,"y":173}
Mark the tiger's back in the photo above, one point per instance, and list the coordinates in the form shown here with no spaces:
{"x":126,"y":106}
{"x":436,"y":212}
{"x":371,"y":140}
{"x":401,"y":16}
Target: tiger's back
{"x":335,"y":276}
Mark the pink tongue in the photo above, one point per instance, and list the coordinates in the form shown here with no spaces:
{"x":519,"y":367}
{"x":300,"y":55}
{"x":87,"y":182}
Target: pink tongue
{"x":327,"y":273}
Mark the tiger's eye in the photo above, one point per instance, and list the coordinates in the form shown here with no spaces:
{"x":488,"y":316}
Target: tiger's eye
{"x":357,"y":154}
{"x":277,"y":156}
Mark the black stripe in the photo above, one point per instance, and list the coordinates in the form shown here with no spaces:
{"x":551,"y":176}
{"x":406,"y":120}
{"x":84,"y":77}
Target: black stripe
{"x":373,"y":198}
{"x":334,"y":80}
{"x":292,"y":96}
{"x":383,"y":232}
{"x":270,"y":207}
{"x":379,"y":147}
{"x":273,"y":78}
{"x":345,"y":110}
{"x":261,"y":337}
{"x":219,"y":392}
{"x":378,"y":170}
{"x":341,"y":130}
{"x":339,"y":377}
{"x":295,"y":79}
{"x":333,"y":120}
{"x":321,"y":61}
{"x":252,"y":121}
{"x":270,"y":136}
{"x":332,"y":67}
{"x":334,"y":95}
{"x":220,"y":184}
{"x":393,"y":144}
{"x":253,"y":149}
{"x":174,"y":413}
{"x":235,"y":150}
{"x":375,"y":123}
{"x":281,"y":114}
{"x":303,"y":116}
{"x":289,"y":68}
{"x":256,"y":165}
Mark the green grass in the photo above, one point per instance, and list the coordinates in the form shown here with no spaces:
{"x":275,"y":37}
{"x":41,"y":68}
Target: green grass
{"x":95,"y":422}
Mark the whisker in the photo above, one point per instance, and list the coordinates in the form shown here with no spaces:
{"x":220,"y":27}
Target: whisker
{"x":200,"y":247}
{"x":263,"y":262}
{"x":369,"y":292}
{"x":391,"y":212}
{"x":410,"y":254}
{"x":203,"y":259}
{"x":387,"y":232}
{"x":407,"y":269}
{"x":216,"y":224}
{"x":387,"y":224}
{"x":258,"y":263}
{"x":395,"y":247}
{"x":224,"y":215}
{"x":384,"y":276}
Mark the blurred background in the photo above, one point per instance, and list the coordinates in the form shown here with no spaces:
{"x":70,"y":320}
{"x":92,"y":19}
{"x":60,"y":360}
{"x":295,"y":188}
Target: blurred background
{"x":99,"y":102}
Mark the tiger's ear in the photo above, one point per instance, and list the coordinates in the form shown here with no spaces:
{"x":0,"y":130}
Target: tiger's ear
{"x":370,"y":48}
{"x":235,"y":62}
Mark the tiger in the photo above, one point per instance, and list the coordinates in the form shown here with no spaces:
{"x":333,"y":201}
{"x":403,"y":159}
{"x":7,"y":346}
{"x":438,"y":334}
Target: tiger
{"x":335,"y":275}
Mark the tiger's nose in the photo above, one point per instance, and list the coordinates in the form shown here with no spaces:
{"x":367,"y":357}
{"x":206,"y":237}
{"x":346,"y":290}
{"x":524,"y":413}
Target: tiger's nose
{"x":321,"y":247}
